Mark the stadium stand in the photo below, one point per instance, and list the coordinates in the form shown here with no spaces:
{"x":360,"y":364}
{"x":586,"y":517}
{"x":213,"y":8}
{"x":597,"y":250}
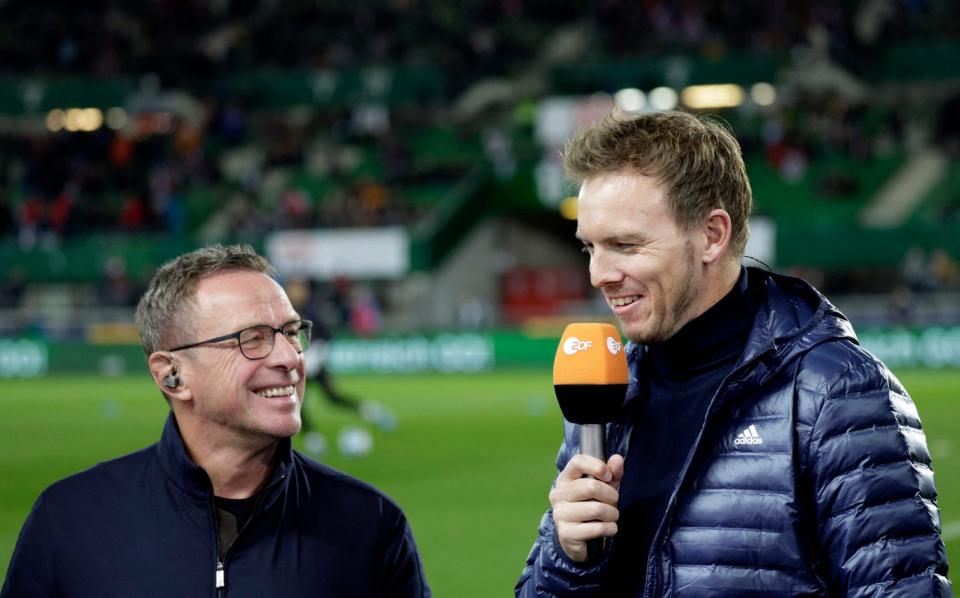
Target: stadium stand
{"x":138,"y":131}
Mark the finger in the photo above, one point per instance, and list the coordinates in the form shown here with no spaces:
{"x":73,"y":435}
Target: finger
{"x":581,"y":532}
{"x":582,"y":465}
{"x":616,"y":464}
{"x":582,"y":512}
{"x":584,"y":489}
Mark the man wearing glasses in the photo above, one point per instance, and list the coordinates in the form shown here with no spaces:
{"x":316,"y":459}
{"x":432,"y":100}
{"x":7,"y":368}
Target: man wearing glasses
{"x":221,"y":505}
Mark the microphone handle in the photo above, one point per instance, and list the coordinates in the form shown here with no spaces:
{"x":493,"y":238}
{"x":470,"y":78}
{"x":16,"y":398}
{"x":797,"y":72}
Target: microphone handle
{"x":593,"y":443}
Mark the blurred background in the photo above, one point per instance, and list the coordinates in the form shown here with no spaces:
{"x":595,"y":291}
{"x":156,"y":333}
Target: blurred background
{"x":398,"y":161}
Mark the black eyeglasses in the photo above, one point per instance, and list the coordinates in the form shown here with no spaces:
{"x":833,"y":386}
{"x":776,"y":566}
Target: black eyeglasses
{"x":257,"y":342}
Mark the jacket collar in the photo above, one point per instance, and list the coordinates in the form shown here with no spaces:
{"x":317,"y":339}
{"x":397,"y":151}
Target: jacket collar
{"x":191,"y":478}
{"x":793,"y":318}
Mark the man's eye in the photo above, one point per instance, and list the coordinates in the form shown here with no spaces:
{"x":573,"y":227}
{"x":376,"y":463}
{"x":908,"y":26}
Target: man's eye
{"x":251,"y":339}
{"x":588,"y":249}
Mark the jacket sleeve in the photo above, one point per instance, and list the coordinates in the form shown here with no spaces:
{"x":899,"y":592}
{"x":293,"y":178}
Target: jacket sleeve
{"x":31,"y":571}
{"x":548,"y":570}
{"x":869,"y":472}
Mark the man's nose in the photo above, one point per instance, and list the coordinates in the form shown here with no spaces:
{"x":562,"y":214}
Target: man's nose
{"x":284,"y":352}
{"x":604,"y":269}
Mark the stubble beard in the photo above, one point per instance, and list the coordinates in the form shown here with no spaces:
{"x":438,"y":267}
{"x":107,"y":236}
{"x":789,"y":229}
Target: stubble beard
{"x":675,"y":315}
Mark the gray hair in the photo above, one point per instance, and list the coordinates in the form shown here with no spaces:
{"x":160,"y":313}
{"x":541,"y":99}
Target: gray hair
{"x":172,"y":288}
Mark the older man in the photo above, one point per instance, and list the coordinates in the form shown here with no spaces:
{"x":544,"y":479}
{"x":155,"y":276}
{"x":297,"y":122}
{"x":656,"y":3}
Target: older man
{"x":766,"y":452}
{"x":221,"y":505}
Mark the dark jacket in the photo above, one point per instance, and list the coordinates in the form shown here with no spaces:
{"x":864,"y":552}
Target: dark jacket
{"x":810,"y":476}
{"x":143,"y":525}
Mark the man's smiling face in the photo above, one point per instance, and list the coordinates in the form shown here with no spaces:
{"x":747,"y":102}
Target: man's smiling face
{"x":644,"y":263}
{"x":254,"y":399}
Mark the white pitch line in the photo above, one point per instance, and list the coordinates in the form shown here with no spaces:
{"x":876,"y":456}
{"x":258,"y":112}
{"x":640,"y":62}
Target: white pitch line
{"x":951,"y":530}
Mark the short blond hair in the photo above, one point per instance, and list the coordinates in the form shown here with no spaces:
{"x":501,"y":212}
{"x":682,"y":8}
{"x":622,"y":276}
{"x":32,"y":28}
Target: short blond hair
{"x":696,"y":159}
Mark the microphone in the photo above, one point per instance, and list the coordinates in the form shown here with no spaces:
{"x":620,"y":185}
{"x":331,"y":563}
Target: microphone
{"x":590,"y":381}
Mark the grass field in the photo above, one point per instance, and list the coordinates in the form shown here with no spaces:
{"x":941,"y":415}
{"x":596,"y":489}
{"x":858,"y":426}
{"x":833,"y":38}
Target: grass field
{"x":470,"y":462}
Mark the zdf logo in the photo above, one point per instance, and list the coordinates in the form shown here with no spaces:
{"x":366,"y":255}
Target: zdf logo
{"x":573,"y":344}
{"x":613,"y":346}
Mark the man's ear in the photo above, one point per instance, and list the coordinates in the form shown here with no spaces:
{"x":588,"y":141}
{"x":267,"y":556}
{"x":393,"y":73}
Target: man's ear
{"x":718,"y":230}
{"x":165,"y":371}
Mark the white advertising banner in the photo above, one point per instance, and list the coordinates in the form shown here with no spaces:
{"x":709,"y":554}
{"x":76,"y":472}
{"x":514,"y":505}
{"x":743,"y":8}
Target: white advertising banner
{"x":23,"y":358}
{"x":448,"y":352}
{"x":382,"y":252}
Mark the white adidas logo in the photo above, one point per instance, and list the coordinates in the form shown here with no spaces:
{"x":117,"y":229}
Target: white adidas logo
{"x":748,"y":436}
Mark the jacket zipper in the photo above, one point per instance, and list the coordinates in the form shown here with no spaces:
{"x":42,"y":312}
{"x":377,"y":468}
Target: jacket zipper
{"x":220,"y":574}
{"x":650,"y":591}
{"x":220,"y":582}
{"x":656,"y":589}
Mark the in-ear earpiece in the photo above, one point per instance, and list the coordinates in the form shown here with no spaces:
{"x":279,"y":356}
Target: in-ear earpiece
{"x":171,"y":380}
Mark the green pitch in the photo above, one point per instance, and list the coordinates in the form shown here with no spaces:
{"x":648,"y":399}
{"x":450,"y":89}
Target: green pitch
{"x":470,"y":462}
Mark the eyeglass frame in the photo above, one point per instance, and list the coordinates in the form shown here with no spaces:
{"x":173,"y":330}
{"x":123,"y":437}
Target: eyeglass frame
{"x":272,"y":341}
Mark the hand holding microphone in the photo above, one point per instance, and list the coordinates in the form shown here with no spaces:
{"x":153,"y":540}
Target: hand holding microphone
{"x":584,"y":501}
{"x":590,"y":381}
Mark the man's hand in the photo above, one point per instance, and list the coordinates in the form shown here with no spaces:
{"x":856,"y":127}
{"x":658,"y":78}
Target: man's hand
{"x":585,"y":508}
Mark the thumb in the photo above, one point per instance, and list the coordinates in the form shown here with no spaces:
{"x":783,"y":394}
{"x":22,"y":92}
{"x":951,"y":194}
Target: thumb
{"x":615,"y":465}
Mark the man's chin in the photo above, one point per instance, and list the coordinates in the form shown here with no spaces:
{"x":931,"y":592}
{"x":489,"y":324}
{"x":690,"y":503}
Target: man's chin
{"x":643,"y":335}
{"x":638,"y":337}
{"x":633,"y":330}
{"x":283,"y":430}
{"x":291,"y":430}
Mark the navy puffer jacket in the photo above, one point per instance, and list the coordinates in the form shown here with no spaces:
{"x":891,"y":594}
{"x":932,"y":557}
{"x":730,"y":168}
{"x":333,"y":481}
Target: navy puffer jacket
{"x":828,"y":492}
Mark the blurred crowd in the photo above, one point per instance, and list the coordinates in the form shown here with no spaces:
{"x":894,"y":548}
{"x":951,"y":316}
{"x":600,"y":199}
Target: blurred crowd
{"x":226,"y":172}
{"x":194,"y":157}
{"x":187,"y":42}
{"x":923,"y":272}
{"x":221,"y":164}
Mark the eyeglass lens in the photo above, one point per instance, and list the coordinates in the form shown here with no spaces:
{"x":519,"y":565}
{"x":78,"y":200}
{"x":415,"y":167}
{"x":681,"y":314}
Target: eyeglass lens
{"x":258,"y":341}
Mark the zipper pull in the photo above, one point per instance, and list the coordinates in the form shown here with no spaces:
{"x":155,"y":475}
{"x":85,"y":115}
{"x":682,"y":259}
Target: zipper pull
{"x":221,"y":582}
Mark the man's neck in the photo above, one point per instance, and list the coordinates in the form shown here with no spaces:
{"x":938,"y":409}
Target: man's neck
{"x":713,"y":338}
{"x":726,"y":276}
{"x":717,"y":282}
{"x":237,"y":469}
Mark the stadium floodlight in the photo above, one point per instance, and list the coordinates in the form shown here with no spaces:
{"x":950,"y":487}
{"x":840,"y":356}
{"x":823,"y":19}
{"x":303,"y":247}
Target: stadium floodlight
{"x":568,"y":208}
{"x":116,"y":118}
{"x":630,"y":99}
{"x":701,"y":97}
{"x":663,"y":98}
{"x":82,"y":119}
{"x":73,"y":120}
{"x":763,"y":94}
{"x":55,"y":120}
{"x":92,"y":119}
